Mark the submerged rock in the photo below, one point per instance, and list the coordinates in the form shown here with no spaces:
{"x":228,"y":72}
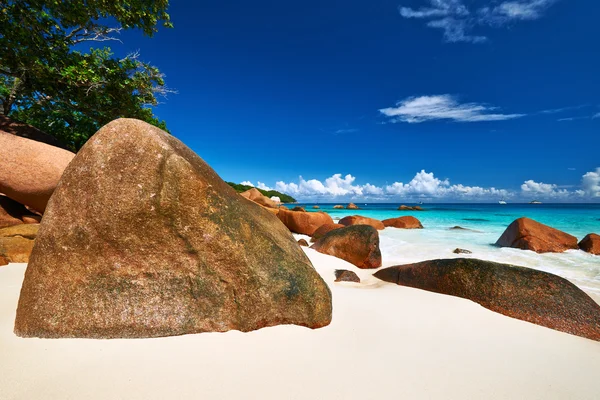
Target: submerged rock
{"x":357,"y":244}
{"x":256,"y":196}
{"x":352,"y":206}
{"x":523,"y":293}
{"x":143,"y":239}
{"x":305,"y":223}
{"x":359,"y":220}
{"x":527,"y":234}
{"x":324,"y":229}
{"x":591,"y":244}
{"x":409,"y":208}
{"x":406,"y":222}
{"x":462,"y":251}
{"x":343,"y":275}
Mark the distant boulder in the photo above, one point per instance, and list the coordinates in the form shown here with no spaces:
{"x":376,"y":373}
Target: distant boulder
{"x":305,"y":223}
{"x":338,"y":207}
{"x":462,"y":251}
{"x":352,"y":206}
{"x":343,"y":275}
{"x":298,"y":208}
{"x":591,"y":244}
{"x":316,"y":207}
{"x":523,"y":293}
{"x":357,"y":244}
{"x":359,"y":220}
{"x":324,"y":229}
{"x":303,"y":242}
{"x":143,"y":239}
{"x":256,"y":196}
{"x":409,"y":208}
{"x":527,"y":234}
{"x":407,"y":222}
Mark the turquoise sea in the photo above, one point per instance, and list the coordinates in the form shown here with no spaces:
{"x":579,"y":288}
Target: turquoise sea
{"x":486,"y":223}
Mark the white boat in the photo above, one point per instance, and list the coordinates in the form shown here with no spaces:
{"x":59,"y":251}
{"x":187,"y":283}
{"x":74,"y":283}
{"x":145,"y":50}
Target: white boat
{"x":535,"y":202}
{"x":502,"y":202}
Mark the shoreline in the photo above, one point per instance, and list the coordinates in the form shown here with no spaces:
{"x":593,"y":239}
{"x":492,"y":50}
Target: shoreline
{"x":384,"y":341}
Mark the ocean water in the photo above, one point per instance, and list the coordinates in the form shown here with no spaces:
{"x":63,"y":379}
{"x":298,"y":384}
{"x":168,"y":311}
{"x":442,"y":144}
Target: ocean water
{"x":486,"y":222}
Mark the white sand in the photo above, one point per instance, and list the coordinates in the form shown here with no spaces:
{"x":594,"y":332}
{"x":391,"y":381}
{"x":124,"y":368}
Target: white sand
{"x":385,"y":342}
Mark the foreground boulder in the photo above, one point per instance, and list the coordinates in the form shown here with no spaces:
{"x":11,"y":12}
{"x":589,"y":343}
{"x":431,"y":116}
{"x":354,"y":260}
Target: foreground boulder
{"x":256,"y":196}
{"x":523,"y":293}
{"x":159,"y":245}
{"x":13,"y":213}
{"x":352,"y":206}
{"x":407,"y":222}
{"x":591,"y":244}
{"x":16,"y":243}
{"x":324,"y":229}
{"x":358,"y":220}
{"x":305,"y":223}
{"x":527,"y":234}
{"x":30,"y":170}
{"x":357,"y":244}
{"x":343,"y":275}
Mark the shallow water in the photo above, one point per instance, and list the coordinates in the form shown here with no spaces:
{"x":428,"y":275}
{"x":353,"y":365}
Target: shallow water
{"x":486,"y":223}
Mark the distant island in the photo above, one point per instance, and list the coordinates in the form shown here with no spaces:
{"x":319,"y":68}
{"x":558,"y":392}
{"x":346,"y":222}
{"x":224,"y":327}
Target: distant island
{"x":269,"y":193}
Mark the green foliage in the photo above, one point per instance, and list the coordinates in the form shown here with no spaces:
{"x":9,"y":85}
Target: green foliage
{"x":69,"y":94}
{"x":269,"y":193}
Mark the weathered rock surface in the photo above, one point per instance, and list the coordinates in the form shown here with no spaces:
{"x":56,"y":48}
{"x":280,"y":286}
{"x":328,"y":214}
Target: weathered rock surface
{"x":16,"y":243}
{"x":305,"y":223}
{"x":324,"y":229}
{"x":527,"y":294}
{"x":303,"y":242}
{"x":256,"y":196}
{"x":343,"y":275}
{"x":30,"y":170}
{"x":591,"y":244}
{"x":406,"y":222}
{"x":359,"y":220}
{"x":462,"y":251}
{"x":527,"y":234}
{"x":357,"y":244}
{"x":352,"y":206}
{"x":143,"y":239}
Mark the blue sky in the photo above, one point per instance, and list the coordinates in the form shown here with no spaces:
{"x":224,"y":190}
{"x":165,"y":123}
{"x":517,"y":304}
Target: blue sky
{"x":388,"y":100}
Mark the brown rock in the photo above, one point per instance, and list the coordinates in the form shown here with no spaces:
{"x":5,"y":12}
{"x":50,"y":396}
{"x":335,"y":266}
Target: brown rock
{"x":358,"y":220}
{"x":417,"y":208}
{"x":3,"y":260}
{"x":30,"y":170}
{"x":324,"y":229}
{"x":338,"y":207}
{"x":405,"y":208}
{"x":316,"y":207}
{"x":28,"y":231}
{"x":303,"y":242}
{"x":352,"y":206}
{"x":357,"y":244}
{"x":462,"y":251}
{"x":343,"y":275}
{"x":523,"y":293}
{"x":32,"y":219}
{"x":305,"y":223}
{"x":407,"y":222}
{"x":298,"y":208}
{"x":11,"y":212}
{"x":527,"y":234}
{"x":256,"y":196}
{"x":159,"y":245}
{"x":16,"y":249}
{"x":591,"y":244}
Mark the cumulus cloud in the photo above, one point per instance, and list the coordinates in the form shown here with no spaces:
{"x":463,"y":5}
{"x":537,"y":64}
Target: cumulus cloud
{"x":259,"y":185}
{"x":541,"y":189}
{"x":427,"y":108}
{"x":247,"y":183}
{"x":456,"y":20}
{"x":334,"y":186}
{"x":596,"y":116}
{"x":590,"y":183}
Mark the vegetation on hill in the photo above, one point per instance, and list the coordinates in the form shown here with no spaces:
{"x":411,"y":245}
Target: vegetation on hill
{"x":269,"y":193}
{"x":49,"y":82}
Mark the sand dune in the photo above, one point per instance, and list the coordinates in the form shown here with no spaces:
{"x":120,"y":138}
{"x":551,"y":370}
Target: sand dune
{"x":385,"y":342}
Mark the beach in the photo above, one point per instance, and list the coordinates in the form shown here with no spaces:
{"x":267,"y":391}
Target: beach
{"x":384,"y":342}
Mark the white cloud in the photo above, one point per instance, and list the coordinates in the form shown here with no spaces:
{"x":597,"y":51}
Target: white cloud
{"x":247,"y":183}
{"x":590,"y":183}
{"x":427,"y":108}
{"x":596,"y":116}
{"x":456,"y":20}
{"x":533,"y":187}
{"x":263,"y":186}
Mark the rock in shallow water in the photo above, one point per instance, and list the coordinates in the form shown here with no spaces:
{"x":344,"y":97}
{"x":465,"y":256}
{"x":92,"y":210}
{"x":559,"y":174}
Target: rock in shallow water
{"x":305,"y":223}
{"x":523,"y":293}
{"x":357,"y":244}
{"x":142,"y":239}
{"x":591,"y":244}
{"x":360,"y":220}
{"x":406,"y":222}
{"x":527,"y":234}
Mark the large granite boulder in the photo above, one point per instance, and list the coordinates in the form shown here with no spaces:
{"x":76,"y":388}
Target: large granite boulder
{"x":30,"y":170}
{"x":406,"y":222}
{"x":143,"y":239}
{"x":527,"y":234}
{"x":324,"y":229}
{"x":16,"y":243}
{"x":305,"y":223}
{"x":256,"y":196}
{"x":359,"y":220}
{"x":523,"y":293}
{"x":357,"y":244}
{"x":591,"y":244}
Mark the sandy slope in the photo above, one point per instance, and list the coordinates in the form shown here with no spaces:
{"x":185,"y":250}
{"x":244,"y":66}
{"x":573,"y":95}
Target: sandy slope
{"x":385,"y":342}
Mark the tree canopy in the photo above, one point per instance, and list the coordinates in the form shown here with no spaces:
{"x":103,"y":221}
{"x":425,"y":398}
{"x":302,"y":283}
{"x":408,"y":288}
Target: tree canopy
{"x":269,"y":193}
{"x":47,"y":82}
